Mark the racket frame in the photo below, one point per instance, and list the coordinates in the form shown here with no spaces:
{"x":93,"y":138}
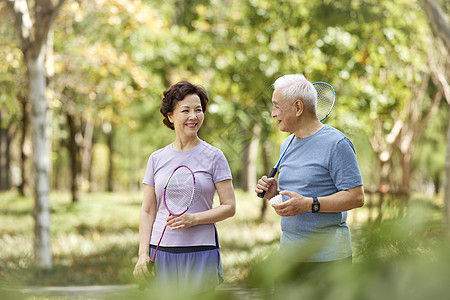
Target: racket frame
{"x":152,"y":260}
{"x":334,"y":98}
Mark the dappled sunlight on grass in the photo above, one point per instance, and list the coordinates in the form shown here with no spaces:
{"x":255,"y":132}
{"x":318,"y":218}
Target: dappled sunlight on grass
{"x":92,"y":242}
{"x":84,"y":234}
{"x":95,"y":242}
{"x":246,"y":239}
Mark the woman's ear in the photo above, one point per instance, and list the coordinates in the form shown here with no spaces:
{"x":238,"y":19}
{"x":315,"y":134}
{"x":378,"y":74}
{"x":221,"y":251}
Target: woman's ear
{"x":169,"y":116}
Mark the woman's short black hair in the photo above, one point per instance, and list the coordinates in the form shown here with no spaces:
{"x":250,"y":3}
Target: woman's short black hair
{"x":178,"y":92}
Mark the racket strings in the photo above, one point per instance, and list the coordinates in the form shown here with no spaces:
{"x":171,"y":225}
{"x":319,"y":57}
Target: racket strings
{"x":325,"y":100}
{"x":179,"y":191}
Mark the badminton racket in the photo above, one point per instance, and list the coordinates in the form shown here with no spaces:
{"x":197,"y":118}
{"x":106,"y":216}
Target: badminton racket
{"x":325,"y":103}
{"x":178,"y":195}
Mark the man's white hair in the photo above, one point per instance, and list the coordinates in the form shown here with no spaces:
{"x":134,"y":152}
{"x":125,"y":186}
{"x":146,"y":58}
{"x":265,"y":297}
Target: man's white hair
{"x":296,"y":87}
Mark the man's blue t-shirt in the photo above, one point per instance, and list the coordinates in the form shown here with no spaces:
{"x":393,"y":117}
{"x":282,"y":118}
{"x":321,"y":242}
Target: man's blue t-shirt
{"x":319,"y":165}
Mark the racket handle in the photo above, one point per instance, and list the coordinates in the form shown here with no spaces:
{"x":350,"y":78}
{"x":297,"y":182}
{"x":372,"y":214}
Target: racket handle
{"x":156,"y":250}
{"x":271,"y":175}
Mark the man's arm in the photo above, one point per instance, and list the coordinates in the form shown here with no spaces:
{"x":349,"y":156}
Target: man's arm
{"x":337,"y":202}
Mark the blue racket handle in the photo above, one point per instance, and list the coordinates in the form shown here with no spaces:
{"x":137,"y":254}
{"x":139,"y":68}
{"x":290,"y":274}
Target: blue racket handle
{"x":271,"y":175}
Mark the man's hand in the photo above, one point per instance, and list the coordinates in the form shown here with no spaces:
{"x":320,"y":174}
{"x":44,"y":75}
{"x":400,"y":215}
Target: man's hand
{"x":296,"y":205}
{"x":269,"y":185}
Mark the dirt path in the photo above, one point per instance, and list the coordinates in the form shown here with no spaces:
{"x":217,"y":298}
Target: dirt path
{"x":111,"y":292}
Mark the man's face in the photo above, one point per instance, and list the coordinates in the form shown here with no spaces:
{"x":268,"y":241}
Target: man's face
{"x":283,"y":111}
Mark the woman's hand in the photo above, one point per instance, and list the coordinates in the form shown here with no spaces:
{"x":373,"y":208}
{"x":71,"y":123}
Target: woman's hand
{"x":179,"y":222}
{"x":142,"y":269}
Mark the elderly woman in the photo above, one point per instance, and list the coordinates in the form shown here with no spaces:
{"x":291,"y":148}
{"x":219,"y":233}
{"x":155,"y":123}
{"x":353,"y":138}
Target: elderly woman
{"x":188,"y":256}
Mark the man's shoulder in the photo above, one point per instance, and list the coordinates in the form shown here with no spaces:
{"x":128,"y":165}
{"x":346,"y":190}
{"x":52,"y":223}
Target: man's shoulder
{"x":332,"y":133}
{"x":338,"y":140}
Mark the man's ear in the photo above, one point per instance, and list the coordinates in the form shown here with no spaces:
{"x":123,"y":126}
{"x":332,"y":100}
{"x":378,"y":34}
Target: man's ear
{"x":298,"y":107}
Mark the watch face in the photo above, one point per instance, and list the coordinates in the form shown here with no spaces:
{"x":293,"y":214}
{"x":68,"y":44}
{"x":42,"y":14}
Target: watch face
{"x":315,"y":207}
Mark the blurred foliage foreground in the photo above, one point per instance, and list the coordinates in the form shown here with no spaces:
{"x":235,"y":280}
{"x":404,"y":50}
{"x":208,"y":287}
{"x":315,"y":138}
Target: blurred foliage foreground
{"x":95,"y":243}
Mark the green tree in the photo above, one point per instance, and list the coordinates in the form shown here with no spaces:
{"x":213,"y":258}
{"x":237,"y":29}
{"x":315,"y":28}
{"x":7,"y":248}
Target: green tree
{"x":33,"y":32}
{"x":441,"y":28}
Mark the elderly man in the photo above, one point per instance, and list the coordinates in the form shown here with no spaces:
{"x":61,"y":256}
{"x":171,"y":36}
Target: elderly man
{"x":319,"y":180}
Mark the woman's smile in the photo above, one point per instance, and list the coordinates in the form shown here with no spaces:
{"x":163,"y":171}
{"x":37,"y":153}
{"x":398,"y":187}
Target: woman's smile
{"x":191,"y":125}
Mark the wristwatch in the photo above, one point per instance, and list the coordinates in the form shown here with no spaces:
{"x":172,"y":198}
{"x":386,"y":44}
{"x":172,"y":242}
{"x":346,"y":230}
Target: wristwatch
{"x":315,"y":205}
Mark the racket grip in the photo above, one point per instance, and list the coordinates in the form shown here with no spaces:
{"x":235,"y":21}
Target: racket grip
{"x":271,"y":175}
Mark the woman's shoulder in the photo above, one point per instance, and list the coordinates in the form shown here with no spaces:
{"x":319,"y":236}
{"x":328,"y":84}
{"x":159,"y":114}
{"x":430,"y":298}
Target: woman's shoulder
{"x":160,"y":152}
{"x":209,"y":150}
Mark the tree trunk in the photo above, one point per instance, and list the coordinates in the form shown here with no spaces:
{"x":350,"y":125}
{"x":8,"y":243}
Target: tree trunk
{"x":446,"y":211}
{"x":384,"y":182}
{"x":33,"y":33}
{"x":406,"y":171}
{"x":267,"y":167}
{"x":438,"y":21}
{"x":57,"y":169}
{"x":242,"y":178}
{"x":86,"y":155}
{"x":252,"y":155}
{"x":41,"y":156}
{"x":109,"y":131}
{"x":74,"y":154}
{"x":4,"y":159}
{"x":411,"y":132}
{"x":383,"y":146}
{"x":243,"y":174}
{"x":24,"y":152}
{"x":441,"y":29}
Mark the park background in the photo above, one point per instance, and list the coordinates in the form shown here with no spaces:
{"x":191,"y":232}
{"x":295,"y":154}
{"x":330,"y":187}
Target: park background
{"x":80,"y":89}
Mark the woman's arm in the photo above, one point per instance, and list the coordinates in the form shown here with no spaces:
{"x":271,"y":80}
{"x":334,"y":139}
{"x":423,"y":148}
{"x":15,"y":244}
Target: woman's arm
{"x":225,"y":210}
{"x":146,"y":219}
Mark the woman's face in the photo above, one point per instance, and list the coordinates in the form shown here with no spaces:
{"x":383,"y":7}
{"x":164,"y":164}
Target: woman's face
{"x":187,"y":116}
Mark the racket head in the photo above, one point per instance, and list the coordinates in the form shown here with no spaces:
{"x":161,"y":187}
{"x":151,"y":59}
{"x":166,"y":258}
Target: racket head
{"x":179,"y":190}
{"x":325,"y":99}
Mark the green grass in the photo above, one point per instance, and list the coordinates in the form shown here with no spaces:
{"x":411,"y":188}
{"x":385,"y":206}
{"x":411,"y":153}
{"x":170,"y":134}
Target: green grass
{"x":95,"y":242}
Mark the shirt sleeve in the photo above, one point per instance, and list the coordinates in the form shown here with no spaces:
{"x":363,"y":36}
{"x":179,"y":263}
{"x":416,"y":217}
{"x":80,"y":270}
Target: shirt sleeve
{"x":149,"y":177}
{"x":344,"y":167}
{"x":221,"y":169}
